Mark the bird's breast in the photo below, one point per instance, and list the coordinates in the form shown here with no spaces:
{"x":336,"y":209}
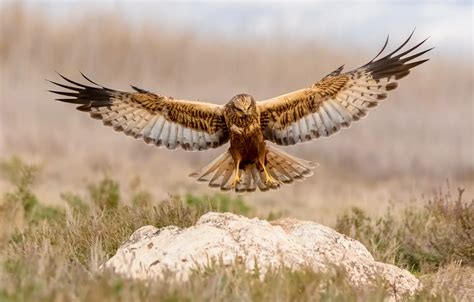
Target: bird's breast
{"x":247,"y":141}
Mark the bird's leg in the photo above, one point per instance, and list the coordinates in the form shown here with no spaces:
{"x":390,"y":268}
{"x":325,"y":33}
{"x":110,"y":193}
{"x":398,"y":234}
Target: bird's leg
{"x":269,"y":180}
{"x":236,"y":180}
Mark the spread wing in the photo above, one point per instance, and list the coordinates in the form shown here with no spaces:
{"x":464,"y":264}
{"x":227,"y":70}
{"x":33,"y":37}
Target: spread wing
{"x":337,"y":100}
{"x":157,"y":119}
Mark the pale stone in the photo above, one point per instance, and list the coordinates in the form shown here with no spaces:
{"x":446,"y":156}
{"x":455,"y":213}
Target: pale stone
{"x":227,"y":239}
{"x":399,"y":281}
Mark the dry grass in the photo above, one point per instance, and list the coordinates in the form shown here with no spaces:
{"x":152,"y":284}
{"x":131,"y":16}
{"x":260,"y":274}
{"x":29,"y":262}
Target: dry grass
{"x":51,"y":253}
{"x":453,"y":280}
{"x":421,"y":239}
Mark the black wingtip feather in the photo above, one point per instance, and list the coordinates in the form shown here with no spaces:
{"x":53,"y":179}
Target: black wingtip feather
{"x":411,"y":49}
{"x":65,"y":86}
{"x":416,"y":55}
{"x":395,"y":64}
{"x":85,"y":77}
{"x":103,"y":87}
{"x":380,"y":52}
{"x":88,"y":96}
{"x":73,"y":94}
{"x":401,"y":46}
{"x":72,"y":82}
{"x":414,"y":64}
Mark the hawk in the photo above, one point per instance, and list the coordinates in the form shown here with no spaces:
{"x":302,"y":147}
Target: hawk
{"x":320,"y":110}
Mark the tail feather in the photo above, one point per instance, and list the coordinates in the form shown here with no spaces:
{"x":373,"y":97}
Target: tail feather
{"x":227,"y":177}
{"x":281,"y":166}
{"x":205,"y":173}
{"x":216,"y":180}
{"x":292,"y":168}
{"x":252,"y":186}
{"x":246,"y":180}
{"x":258,"y":180}
{"x":277,"y":167}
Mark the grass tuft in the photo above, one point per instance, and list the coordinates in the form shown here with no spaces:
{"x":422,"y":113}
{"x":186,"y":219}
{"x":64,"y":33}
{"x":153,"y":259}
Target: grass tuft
{"x":219,"y":203}
{"x":419,"y":239}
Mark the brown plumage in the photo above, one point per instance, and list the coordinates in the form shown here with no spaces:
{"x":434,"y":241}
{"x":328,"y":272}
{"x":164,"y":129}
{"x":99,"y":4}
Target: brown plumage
{"x":319,"y":110}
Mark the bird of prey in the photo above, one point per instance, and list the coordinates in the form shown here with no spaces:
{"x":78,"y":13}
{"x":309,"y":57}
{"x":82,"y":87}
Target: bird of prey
{"x":320,"y":110}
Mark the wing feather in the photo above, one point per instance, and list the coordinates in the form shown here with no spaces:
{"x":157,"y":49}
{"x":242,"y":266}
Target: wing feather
{"x":186,"y":138}
{"x":165,"y":135}
{"x":195,"y":137}
{"x":173,"y":136}
{"x":157,"y":119}
{"x":149,"y":127}
{"x":179,"y":138}
{"x":337,"y":100}
{"x":157,"y":129}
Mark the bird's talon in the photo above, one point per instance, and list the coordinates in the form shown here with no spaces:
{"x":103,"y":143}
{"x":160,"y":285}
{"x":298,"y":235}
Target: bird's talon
{"x":272,"y":182}
{"x":236,"y":181}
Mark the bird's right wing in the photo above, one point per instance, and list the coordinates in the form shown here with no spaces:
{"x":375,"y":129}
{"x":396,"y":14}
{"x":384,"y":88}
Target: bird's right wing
{"x":160,"y":120}
{"x":335,"y":101}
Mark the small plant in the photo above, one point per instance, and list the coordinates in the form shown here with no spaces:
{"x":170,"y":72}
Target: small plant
{"x":75,"y":202}
{"x":22,"y":177}
{"x":378,"y":235}
{"x":105,"y":194}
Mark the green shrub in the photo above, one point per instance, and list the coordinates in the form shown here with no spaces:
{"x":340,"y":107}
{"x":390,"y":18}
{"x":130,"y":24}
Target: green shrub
{"x":75,"y":202}
{"x":105,"y":194}
{"x":22,"y":178}
{"x":18,"y":173}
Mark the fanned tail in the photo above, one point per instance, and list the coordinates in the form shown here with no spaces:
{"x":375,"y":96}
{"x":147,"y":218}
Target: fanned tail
{"x":281,"y":166}
{"x":288,"y":168}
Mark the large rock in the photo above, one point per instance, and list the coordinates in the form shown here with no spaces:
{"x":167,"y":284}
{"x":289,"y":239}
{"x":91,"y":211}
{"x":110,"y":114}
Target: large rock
{"x":228,"y":239}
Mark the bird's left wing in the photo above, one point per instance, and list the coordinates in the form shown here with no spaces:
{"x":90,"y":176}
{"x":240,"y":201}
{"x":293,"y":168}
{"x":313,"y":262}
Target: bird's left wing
{"x":157,"y":119}
{"x":335,"y":101}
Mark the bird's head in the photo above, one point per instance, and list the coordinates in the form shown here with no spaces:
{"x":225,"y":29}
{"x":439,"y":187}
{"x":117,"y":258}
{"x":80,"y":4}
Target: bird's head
{"x":243,"y":104}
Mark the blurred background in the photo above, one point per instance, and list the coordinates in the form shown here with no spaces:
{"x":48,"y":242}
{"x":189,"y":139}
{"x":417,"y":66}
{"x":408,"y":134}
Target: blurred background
{"x":419,"y":140}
